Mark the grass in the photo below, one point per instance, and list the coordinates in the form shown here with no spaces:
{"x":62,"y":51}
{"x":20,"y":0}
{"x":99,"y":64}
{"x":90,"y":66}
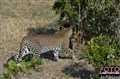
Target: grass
{"x":16,"y":17}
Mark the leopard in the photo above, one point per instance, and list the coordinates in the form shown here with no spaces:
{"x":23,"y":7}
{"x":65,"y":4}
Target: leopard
{"x":38,"y":44}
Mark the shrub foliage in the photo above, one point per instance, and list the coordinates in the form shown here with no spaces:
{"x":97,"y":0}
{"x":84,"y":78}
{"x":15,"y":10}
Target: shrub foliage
{"x":93,"y":17}
{"x":102,"y":51}
{"x":12,"y":70}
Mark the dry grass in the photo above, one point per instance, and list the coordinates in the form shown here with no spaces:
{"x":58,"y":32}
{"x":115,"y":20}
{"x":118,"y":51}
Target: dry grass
{"x":16,"y":16}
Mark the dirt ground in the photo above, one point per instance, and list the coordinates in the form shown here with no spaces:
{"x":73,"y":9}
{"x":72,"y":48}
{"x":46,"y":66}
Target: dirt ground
{"x":17,"y":18}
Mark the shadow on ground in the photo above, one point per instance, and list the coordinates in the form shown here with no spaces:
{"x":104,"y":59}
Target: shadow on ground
{"x":36,"y":31}
{"x":48,"y":29}
{"x":77,"y":70}
{"x":47,"y":55}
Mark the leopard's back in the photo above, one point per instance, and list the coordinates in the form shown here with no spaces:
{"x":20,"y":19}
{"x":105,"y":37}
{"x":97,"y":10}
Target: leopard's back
{"x":42,"y":43}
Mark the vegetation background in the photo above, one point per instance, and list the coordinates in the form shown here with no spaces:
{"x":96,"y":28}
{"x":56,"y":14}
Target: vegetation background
{"x":96,"y":24}
{"x":17,"y":17}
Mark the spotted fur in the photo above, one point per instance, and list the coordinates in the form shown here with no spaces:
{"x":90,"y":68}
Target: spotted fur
{"x":39,"y":44}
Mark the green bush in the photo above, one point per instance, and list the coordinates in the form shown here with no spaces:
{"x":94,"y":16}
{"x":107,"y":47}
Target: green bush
{"x":102,"y":51}
{"x":13,"y":70}
{"x":35,"y":60}
{"x":93,"y":17}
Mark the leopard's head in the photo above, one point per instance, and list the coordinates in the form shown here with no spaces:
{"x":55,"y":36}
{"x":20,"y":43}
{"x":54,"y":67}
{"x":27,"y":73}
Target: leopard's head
{"x":18,"y":57}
